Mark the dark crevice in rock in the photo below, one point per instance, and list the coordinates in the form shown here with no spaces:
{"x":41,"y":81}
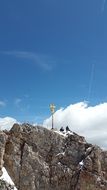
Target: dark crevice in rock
{"x":22,"y":151}
{"x":76,"y":175}
{"x":87,"y":153}
{"x":75,"y":179}
{"x":49,"y":161}
{"x":22,"y":145}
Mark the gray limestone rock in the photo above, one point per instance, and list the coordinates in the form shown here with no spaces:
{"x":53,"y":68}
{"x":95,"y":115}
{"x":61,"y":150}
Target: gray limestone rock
{"x":40,"y":159}
{"x":2,"y":149}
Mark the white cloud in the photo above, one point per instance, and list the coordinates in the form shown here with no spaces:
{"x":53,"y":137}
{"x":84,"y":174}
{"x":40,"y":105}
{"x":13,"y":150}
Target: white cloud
{"x":43,"y":61}
{"x":7,"y":123}
{"x":18,"y":101}
{"x":89,"y":121}
{"x":2,"y":104}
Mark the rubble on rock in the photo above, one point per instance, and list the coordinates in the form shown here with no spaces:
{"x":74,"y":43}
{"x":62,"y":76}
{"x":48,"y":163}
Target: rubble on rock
{"x":40,"y":159}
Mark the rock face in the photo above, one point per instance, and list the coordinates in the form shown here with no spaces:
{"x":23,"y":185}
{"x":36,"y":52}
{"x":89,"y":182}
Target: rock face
{"x":2,"y":149}
{"x":40,"y":159}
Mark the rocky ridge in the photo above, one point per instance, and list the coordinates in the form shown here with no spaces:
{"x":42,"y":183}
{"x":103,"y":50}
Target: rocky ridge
{"x":40,"y":159}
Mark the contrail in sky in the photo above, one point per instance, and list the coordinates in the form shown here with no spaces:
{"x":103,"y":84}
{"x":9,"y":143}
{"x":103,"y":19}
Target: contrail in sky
{"x":103,"y":5}
{"x":91,"y":81}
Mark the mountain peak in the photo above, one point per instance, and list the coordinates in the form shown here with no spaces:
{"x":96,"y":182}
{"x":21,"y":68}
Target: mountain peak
{"x":37,"y":158}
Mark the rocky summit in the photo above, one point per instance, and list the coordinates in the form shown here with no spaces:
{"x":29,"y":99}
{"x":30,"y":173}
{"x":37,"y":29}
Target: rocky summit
{"x":40,"y":159}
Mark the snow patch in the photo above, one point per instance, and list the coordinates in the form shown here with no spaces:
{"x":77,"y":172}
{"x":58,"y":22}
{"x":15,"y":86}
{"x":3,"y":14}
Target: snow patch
{"x":7,"y":178}
{"x":81,"y":164}
{"x":64,"y":133}
{"x":62,"y":153}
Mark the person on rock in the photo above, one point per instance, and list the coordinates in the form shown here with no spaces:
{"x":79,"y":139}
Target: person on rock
{"x":61,"y":129}
{"x":67,"y":129}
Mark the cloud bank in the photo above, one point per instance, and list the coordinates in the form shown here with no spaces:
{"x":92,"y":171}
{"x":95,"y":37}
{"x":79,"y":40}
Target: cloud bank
{"x":7,"y":123}
{"x":89,"y":121}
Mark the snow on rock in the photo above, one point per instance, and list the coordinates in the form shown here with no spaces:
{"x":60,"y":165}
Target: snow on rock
{"x":7,"y":178}
{"x":48,"y":159}
{"x":81,"y":163}
{"x":64,"y":133}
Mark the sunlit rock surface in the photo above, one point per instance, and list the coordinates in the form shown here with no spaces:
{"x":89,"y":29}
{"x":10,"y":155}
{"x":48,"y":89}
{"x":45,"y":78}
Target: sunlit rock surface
{"x":40,"y":159}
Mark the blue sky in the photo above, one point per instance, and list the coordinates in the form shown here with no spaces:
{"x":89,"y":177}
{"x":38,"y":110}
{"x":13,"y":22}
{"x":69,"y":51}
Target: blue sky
{"x":51,"y":51}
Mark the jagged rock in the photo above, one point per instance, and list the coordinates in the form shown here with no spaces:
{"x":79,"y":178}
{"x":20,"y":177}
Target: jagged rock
{"x":91,"y":175}
{"x":2,"y":149}
{"x":40,"y":159}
